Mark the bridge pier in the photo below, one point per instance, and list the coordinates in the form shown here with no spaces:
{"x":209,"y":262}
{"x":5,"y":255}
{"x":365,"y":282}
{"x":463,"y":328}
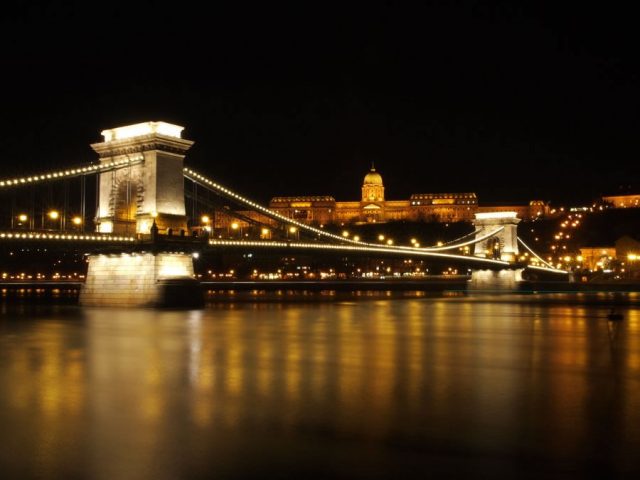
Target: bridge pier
{"x":507,"y":280}
{"x":141,"y":280}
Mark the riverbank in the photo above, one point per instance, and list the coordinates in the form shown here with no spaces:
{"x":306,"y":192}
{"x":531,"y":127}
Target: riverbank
{"x":67,"y":292}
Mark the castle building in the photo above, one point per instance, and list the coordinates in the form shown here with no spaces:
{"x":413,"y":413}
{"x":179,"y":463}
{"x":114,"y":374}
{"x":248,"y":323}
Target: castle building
{"x":374,"y":208}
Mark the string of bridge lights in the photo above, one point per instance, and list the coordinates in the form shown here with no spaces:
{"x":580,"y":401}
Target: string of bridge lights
{"x":202,"y":180}
{"x":63,"y":236}
{"x":353,"y":248}
{"x":536,"y":255}
{"x":72,"y":172}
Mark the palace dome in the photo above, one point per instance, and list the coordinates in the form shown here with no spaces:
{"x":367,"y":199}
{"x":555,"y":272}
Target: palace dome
{"x":373,"y":177}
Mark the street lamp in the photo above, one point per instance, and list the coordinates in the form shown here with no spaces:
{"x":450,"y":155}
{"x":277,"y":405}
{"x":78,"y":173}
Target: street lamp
{"x":54,"y":215}
{"x":77,"y":222}
{"x":21,"y":218}
{"x":205,"y":220}
{"x":235,"y":226}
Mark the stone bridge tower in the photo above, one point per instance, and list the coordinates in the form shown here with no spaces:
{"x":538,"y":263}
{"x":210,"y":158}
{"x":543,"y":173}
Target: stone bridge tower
{"x":146,"y":182}
{"x":503,"y":245}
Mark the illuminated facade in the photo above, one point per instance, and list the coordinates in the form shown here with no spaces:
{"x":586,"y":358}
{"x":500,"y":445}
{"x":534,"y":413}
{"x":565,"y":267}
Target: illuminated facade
{"x":597,"y":258}
{"x":623,"y":201}
{"x":535,"y":209}
{"x":373,"y":208}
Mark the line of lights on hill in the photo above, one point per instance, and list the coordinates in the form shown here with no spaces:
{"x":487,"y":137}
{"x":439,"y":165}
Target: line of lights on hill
{"x":72,"y":172}
{"x":573,"y":219}
{"x":566,"y":253}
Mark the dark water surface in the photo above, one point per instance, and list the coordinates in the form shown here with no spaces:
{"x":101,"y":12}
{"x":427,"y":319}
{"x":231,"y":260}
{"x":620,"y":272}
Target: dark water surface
{"x":370,"y":386}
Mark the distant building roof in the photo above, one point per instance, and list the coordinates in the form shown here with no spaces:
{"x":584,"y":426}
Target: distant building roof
{"x":306,"y":198}
{"x":429,"y":196}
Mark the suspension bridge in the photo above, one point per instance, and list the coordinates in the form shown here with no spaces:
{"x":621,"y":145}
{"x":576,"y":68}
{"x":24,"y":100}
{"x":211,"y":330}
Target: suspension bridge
{"x":138,"y":209}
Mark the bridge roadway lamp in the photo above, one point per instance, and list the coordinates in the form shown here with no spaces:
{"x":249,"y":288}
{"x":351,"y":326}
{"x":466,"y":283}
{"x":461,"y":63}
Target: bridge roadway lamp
{"x":54,"y":216}
{"x":235,"y":227}
{"x":22,"y":219}
{"x":205,"y":220}
{"x":77,"y":222}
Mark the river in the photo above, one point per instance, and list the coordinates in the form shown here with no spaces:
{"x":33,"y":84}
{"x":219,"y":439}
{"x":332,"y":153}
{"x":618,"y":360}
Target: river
{"x":296,"y":385}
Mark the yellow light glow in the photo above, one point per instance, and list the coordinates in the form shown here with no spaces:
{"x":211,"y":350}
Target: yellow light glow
{"x":491,"y":215}
{"x":264,"y":231}
{"x":235,"y":226}
{"x":205,"y":219}
{"x":632,"y":256}
{"x":356,"y":238}
{"x":413,"y":241}
{"x":76,"y":220}
{"x":106,"y":227}
{"x":345,"y":233}
{"x":381,"y":237}
{"x":390,"y":242}
{"x":22,"y":217}
{"x":293,"y":229}
{"x":139,"y":129}
{"x":54,"y":215}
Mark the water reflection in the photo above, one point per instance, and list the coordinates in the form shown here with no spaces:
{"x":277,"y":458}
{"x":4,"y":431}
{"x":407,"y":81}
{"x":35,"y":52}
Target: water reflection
{"x":354,"y":388}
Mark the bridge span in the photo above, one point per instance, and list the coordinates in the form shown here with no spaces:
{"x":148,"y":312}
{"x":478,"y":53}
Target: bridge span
{"x":142,"y":242}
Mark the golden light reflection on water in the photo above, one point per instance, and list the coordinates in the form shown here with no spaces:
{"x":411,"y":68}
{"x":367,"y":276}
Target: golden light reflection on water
{"x":488,"y":374}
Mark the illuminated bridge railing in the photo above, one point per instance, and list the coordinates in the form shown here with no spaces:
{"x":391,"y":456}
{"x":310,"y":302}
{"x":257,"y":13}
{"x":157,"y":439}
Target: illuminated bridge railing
{"x":415,"y":252}
{"x":70,"y":172}
{"x":67,"y":237}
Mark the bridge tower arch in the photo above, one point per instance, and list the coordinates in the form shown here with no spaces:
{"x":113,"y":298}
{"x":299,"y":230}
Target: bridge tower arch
{"x":501,"y":246}
{"x":148,"y":156}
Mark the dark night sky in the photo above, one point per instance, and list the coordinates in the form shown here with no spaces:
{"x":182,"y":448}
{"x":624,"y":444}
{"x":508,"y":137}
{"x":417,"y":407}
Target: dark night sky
{"x":511,"y":101}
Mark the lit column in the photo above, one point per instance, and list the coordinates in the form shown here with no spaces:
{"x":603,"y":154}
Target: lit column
{"x":143,"y":176}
